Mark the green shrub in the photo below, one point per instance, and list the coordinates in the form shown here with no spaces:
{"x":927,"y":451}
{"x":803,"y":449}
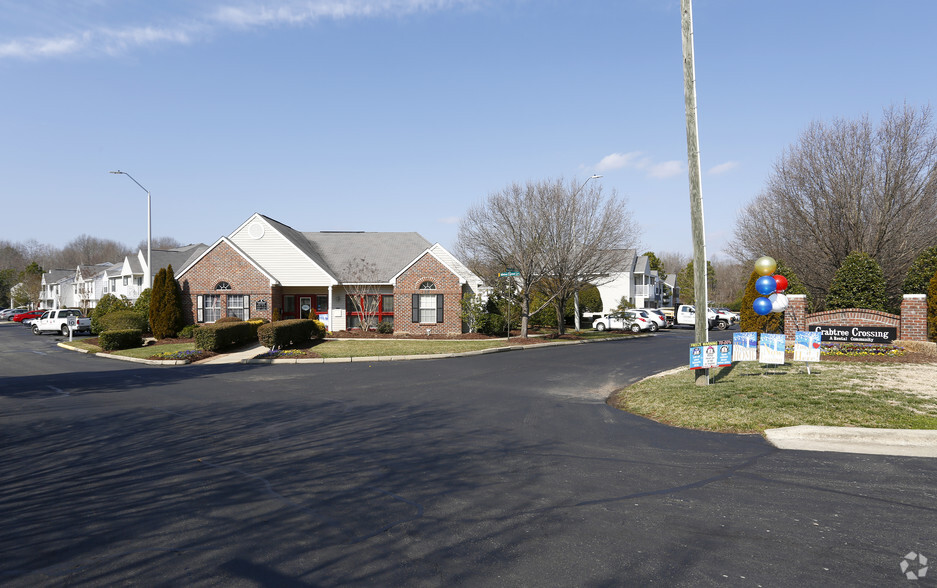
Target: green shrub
{"x":124,"y":339}
{"x":218,"y":336}
{"x":385,"y":328}
{"x":229,"y":319}
{"x":858,"y":283}
{"x":142,"y":304}
{"x":282,"y":334}
{"x":920,"y":272}
{"x":188,"y":331}
{"x":124,"y":320}
{"x":107,"y":304}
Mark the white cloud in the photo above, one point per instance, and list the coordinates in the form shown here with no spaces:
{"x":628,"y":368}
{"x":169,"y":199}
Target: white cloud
{"x":723,"y":168}
{"x":637,"y":160}
{"x":619,"y":161}
{"x":448,"y":220}
{"x":665,"y":169}
{"x":182,"y":28}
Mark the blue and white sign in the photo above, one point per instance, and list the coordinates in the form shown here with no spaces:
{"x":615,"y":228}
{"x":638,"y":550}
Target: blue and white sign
{"x":711,"y":354}
{"x":745,"y":346}
{"x":771,"y":348}
{"x":807,"y":346}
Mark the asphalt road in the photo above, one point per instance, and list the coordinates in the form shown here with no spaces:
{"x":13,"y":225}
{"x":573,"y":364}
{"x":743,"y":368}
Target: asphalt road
{"x":497,"y":470}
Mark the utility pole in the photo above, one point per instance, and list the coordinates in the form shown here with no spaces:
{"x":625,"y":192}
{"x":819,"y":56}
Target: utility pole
{"x":696,"y":189}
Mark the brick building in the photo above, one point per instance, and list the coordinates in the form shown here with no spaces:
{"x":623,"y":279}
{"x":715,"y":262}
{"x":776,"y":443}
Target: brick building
{"x":266,"y":269}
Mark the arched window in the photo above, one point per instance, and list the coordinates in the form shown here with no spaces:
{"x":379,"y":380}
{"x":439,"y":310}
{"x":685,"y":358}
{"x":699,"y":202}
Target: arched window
{"x":223,"y":286}
{"x":427,"y":306}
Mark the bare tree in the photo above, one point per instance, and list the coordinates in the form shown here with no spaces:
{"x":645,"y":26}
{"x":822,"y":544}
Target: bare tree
{"x":88,"y":250}
{"x":845,"y":187}
{"x":555,"y":235}
{"x":161,"y":243}
{"x":585,"y":235}
{"x":359,"y":278}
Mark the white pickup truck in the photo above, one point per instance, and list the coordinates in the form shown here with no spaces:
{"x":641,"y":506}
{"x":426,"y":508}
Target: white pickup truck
{"x":685,"y":315}
{"x":56,"y":321}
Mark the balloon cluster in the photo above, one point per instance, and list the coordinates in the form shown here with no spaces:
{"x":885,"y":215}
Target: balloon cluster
{"x":770,"y":287}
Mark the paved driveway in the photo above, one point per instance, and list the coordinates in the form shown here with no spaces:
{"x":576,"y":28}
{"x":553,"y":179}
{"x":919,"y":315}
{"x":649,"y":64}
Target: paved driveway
{"x":497,"y":470}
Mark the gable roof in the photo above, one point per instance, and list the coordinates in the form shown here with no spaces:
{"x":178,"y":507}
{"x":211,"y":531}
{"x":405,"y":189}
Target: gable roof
{"x":56,"y":275}
{"x":177,"y":257}
{"x":384,"y":254}
{"x":191,"y":262}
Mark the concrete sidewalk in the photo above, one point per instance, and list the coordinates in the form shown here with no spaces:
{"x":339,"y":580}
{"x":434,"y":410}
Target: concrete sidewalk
{"x":904,"y":442}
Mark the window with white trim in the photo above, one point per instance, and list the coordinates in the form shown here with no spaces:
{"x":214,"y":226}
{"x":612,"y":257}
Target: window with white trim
{"x":209,"y":308}
{"x":427,"y":305}
{"x":239,"y":306}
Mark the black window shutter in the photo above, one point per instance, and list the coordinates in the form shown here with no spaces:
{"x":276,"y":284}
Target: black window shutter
{"x":415,"y":312}
{"x":440,"y":317}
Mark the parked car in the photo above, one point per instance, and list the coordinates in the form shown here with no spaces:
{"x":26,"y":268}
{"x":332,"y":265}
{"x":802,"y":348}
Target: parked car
{"x":657,"y":322}
{"x":668,"y":319}
{"x":29,"y":314}
{"x":736,"y":317}
{"x":630,"y":320}
{"x":7,"y":315}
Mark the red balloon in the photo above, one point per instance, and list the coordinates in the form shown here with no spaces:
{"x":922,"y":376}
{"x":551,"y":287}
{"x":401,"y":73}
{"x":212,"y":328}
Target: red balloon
{"x":781,"y":282}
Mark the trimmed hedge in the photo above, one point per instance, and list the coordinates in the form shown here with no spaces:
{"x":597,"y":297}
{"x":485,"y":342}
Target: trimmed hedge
{"x":124,"y":320}
{"x":218,"y":336}
{"x":124,"y":339}
{"x":282,"y":334}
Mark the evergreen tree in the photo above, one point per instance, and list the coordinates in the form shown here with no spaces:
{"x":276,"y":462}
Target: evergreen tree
{"x":858,"y":283}
{"x":166,"y":318}
{"x":156,"y":304}
{"x":920,"y":272}
{"x":687,"y":284}
{"x":932,"y":308}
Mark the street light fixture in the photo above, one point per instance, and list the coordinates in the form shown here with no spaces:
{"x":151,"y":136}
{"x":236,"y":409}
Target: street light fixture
{"x":149,"y":231}
{"x":576,"y":293}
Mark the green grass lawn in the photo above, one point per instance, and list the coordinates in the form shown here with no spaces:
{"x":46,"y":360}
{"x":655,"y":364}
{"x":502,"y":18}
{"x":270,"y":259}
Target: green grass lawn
{"x":749,"y":398}
{"x":387,"y":347}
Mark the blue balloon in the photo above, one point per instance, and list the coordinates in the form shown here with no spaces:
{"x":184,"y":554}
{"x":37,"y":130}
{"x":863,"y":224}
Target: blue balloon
{"x":766,"y":285}
{"x":762,"y":306}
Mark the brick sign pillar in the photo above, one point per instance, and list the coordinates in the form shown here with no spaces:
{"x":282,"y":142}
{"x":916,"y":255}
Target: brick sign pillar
{"x":913,"y":318}
{"x":795,"y":317}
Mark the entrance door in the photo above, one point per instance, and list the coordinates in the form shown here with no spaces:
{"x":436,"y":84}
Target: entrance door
{"x":305,"y":306}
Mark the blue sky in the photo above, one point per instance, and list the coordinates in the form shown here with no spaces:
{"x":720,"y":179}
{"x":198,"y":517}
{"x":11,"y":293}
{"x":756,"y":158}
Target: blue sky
{"x":397,"y":115}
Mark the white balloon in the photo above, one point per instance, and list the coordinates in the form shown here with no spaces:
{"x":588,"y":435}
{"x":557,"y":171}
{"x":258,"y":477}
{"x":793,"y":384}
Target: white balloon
{"x":779,"y":302}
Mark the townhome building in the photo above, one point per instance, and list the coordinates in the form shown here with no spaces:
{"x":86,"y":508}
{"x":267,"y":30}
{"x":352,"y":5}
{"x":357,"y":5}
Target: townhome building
{"x":267,"y":269}
{"x":635,"y":281}
{"x":56,"y":288}
{"x":128,"y":281}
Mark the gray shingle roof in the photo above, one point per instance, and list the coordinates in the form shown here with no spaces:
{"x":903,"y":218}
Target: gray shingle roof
{"x":385,"y":253}
{"x":337,"y":251}
{"x":178,"y":257}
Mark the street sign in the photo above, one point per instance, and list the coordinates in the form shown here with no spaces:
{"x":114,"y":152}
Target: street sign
{"x":510,"y":274}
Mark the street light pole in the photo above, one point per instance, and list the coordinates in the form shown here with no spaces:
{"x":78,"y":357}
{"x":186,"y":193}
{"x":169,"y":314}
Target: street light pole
{"x":576,"y":293}
{"x":148,"y":274}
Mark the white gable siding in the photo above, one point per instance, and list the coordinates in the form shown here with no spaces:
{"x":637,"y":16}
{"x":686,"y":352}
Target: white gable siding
{"x":278,"y":256}
{"x":612,"y":291}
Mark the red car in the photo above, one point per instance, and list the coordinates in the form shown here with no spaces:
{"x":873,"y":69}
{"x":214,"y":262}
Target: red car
{"x":27,"y":315}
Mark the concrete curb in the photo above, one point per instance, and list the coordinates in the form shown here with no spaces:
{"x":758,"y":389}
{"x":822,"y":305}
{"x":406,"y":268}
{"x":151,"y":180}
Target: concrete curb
{"x":164,"y":362}
{"x":903,"y":442}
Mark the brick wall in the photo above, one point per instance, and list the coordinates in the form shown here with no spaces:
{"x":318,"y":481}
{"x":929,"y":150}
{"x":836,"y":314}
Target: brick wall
{"x":223,"y":264}
{"x":911,"y":323}
{"x":428,"y":269}
{"x":913,"y":318}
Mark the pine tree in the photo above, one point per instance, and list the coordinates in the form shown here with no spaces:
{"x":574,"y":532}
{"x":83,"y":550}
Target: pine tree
{"x":858,"y":283}
{"x":932,"y":308}
{"x":157,"y":301}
